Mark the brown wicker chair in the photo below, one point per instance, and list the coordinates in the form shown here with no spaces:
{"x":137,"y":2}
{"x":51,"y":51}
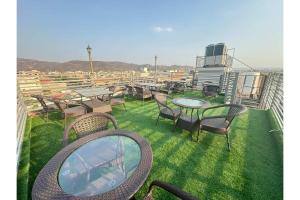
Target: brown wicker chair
{"x":178,"y":87}
{"x":106,"y":98}
{"x":164,"y":110}
{"x":209,"y":89}
{"x":168,"y":89}
{"x":142,"y":93}
{"x":220,"y":124}
{"x":169,"y":188}
{"x":46,"y":108}
{"x":118,"y":97}
{"x":68,"y":111}
{"x":89,"y":123}
{"x":130,"y":90}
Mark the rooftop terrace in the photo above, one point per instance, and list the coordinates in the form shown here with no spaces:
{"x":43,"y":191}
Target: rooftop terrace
{"x":253,"y":169}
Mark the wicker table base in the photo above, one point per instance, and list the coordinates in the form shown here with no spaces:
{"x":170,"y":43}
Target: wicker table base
{"x":97,"y":106}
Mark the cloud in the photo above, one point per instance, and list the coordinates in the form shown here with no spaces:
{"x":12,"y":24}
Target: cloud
{"x":169,"y":29}
{"x":159,"y":29}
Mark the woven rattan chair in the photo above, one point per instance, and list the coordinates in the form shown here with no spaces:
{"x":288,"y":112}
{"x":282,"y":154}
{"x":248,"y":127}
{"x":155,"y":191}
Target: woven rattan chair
{"x":118,"y":97}
{"x":68,"y":111}
{"x":89,"y":123}
{"x":168,"y":89}
{"x":209,"y":89}
{"x":220,"y":124}
{"x":179,"y":87}
{"x":106,"y":98}
{"x":164,"y":110}
{"x":131,"y":91}
{"x":169,"y":188}
{"x":46,"y":108}
{"x":142,"y":93}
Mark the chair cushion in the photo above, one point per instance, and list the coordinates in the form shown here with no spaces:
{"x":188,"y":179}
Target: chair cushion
{"x":165,"y":112}
{"x":214,"y":124}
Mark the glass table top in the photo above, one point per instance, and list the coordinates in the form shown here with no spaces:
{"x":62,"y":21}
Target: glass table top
{"x":99,"y":166}
{"x":92,"y":92}
{"x":189,"y":103}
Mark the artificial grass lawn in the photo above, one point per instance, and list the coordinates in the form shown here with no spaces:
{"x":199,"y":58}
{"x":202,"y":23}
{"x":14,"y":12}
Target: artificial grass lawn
{"x":252,"y":170}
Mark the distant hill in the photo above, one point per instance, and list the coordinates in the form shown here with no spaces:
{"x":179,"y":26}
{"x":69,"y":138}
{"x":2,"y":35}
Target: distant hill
{"x":77,"y":65}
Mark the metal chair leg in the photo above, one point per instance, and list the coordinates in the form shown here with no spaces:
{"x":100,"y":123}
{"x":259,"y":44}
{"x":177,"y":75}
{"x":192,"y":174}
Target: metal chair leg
{"x":199,"y":130}
{"x":65,"y":125}
{"x":228,"y":143}
{"x":124,"y":107}
{"x":157,"y":120}
{"x":174,"y":122}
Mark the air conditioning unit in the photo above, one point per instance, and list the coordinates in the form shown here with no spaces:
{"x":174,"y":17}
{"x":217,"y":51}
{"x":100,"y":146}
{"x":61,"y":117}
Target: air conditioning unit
{"x":215,"y":55}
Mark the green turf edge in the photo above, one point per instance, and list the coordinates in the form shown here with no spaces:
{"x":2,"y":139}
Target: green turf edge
{"x":24,"y":163}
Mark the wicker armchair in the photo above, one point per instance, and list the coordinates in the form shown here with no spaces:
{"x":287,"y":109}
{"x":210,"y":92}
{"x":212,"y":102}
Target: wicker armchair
{"x":142,"y":93}
{"x":164,"y":110}
{"x":179,"y":87}
{"x":210,"y":90}
{"x":131,"y":91}
{"x":169,"y":188}
{"x":168,"y":89}
{"x":89,"y":123}
{"x":118,"y":97}
{"x":67,"y":111}
{"x":46,"y":108}
{"x":220,"y":124}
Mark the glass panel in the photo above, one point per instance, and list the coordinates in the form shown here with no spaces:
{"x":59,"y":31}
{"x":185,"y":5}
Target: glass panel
{"x":99,"y":166}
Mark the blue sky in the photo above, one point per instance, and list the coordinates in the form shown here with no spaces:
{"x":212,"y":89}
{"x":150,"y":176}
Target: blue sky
{"x":135,"y":30}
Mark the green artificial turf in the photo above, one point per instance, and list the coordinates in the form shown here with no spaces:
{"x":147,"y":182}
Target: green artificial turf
{"x":252,"y":170}
{"x":23,"y":168}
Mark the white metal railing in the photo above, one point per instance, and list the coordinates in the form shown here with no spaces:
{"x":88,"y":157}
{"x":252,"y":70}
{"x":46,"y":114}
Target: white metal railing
{"x":264,"y":91}
{"x":21,"y":122}
{"x":48,"y":84}
{"x":272,"y":96}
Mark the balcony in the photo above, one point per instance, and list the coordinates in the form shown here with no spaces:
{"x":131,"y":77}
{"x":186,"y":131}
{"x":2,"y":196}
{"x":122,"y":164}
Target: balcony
{"x":253,"y":169}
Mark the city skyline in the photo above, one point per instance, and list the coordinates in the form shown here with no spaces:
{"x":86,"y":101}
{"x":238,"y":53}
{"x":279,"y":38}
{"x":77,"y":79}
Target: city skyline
{"x":135,"y":32}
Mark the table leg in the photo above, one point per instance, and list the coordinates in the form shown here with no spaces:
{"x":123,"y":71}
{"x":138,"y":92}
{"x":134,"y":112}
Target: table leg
{"x":178,"y":117}
{"x":192,"y":114}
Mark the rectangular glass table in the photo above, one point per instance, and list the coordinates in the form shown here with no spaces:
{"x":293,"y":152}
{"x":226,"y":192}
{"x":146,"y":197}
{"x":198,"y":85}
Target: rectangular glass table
{"x":95,"y":105}
{"x":93,"y":92}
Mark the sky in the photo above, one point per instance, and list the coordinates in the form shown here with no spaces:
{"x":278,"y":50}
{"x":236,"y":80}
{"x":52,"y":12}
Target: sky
{"x":135,"y":31}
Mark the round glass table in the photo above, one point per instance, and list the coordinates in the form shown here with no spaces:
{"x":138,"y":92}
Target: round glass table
{"x":188,"y":122}
{"x":107,"y":164}
{"x":189,"y":103}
